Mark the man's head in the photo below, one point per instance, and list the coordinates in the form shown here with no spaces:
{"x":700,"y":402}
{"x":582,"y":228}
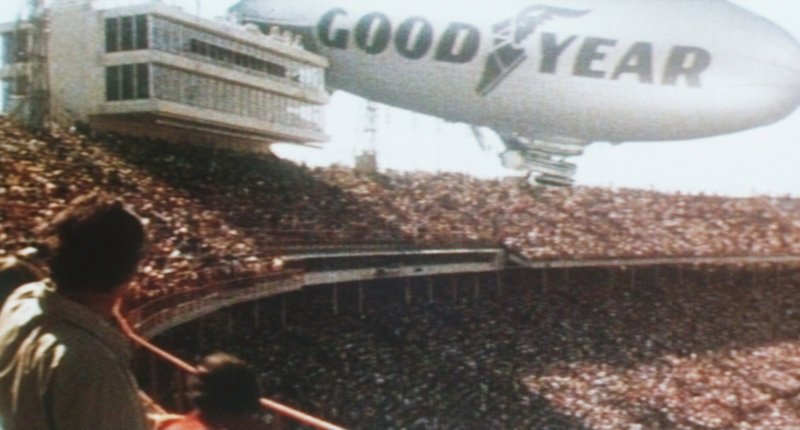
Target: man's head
{"x":96,"y":246}
{"x":224,"y":386}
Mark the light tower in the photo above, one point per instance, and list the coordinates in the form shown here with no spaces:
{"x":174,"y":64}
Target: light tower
{"x":367,"y":160}
{"x":36,"y":106}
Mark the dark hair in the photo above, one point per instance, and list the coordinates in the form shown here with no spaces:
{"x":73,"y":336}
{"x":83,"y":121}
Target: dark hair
{"x":96,"y":245}
{"x":13,"y":273}
{"x":224,"y":386}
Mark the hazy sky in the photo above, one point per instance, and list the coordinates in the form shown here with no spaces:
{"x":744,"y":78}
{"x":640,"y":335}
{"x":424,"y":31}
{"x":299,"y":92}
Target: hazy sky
{"x":763,"y":160}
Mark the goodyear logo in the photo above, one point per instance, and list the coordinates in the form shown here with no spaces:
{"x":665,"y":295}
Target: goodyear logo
{"x":509,"y":37}
{"x":511,"y":40}
{"x":413,"y":39}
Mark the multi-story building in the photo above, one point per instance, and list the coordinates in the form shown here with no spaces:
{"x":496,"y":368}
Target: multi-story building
{"x":153,"y":70}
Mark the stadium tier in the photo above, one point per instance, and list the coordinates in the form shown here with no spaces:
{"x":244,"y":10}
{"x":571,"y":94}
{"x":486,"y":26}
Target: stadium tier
{"x":668,"y":346}
{"x":676,"y":347}
{"x":216,"y":214}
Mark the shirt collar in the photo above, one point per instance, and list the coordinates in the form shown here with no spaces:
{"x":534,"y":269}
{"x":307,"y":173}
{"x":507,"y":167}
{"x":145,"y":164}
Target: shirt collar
{"x":57,"y":307}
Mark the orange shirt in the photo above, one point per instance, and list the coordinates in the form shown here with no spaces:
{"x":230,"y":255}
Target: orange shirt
{"x":194,"y":421}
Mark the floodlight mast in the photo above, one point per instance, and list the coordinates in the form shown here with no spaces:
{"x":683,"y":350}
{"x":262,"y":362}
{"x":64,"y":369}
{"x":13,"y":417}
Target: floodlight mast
{"x":39,"y":94}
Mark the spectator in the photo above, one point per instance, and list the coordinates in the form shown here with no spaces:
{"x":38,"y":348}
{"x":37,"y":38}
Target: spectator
{"x":226,"y":395}
{"x":64,"y":364}
{"x":14,"y":273}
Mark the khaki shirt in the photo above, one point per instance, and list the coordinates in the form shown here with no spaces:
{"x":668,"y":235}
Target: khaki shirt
{"x":63,"y":366}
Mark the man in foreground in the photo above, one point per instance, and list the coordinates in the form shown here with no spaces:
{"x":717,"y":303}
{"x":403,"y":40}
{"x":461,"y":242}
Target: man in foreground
{"x":63,"y":363}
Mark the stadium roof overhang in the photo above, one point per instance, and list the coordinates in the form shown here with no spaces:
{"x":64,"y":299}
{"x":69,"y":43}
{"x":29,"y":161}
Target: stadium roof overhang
{"x":178,"y":127}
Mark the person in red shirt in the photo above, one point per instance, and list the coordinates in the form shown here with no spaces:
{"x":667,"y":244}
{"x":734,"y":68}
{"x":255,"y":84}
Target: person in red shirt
{"x":225,"y":395}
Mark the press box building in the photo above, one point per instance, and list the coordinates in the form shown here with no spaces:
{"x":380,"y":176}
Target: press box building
{"x":154,"y":70}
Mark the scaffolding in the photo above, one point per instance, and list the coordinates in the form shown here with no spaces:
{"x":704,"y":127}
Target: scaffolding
{"x":36,"y":103}
{"x":367,"y":160}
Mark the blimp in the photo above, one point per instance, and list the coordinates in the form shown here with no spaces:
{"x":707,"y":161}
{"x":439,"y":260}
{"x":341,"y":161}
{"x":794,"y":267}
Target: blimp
{"x":551,"y":77}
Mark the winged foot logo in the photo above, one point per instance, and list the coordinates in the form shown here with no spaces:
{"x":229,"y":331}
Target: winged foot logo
{"x":508,"y":38}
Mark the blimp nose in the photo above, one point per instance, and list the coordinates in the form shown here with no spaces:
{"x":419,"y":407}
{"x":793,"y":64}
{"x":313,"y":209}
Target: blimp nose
{"x":785,"y":54}
{"x":794,"y":86}
{"x":776,"y":69}
{"x":753,"y":80}
{"x":789,"y":67}
{"x":787,"y":59}
{"x":794,"y":70}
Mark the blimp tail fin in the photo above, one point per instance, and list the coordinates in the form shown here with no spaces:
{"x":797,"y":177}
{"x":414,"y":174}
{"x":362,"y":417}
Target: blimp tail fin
{"x":544,"y":160}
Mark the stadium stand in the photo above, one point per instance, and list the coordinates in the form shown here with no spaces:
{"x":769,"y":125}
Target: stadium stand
{"x":656,"y":348}
{"x":574,"y":223}
{"x":202,"y":205}
{"x":218,"y":214}
{"x":707,"y":347}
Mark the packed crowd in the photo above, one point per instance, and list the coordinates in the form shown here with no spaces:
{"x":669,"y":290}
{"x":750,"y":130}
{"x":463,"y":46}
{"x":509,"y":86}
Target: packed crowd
{"x":654,"y":348}
{"x":552,"y":223}
{"x":691,"y":350}
{"x":215,"y":215}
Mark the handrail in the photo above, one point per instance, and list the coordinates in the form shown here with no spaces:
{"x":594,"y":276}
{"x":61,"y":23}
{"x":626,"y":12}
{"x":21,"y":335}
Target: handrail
{"x":139,"y":340}
{"x":272,"y":405}
{"x":168,"y":300}
{"x":661,"y":261}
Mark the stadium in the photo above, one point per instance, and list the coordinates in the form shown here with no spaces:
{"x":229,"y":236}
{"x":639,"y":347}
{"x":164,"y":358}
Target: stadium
{"x":413,"y":300}
{"x":637,"y":308}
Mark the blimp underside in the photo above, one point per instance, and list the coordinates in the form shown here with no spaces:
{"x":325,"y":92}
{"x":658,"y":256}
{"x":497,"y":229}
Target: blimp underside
{"x":553,"y":76}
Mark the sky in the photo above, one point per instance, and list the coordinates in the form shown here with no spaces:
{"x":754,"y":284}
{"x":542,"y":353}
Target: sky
{"x":755,"y":162}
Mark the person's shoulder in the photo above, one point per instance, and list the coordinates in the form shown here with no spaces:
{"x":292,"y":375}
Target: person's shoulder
{"x":27,"y":293}
{"x":73,"y":346}
{"x":84,"y":332}
{"x":22,"y":320}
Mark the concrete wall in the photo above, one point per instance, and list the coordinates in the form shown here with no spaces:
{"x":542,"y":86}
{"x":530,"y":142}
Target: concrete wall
{"x":75,"y":52}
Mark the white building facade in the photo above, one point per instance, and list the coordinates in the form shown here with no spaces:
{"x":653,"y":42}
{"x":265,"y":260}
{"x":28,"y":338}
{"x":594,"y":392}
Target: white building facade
{"x":153,"y":70}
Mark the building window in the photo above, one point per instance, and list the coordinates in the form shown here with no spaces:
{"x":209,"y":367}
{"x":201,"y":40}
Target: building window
{"x":142,"y":33}
{"x":143,"y":81}
{"x":127,"y":33}
{"x":15,"y":47}
{"x":228,"y":56}
{"x":20,"y":86}
{"x":128,"y":82}
{"x":177,"y":38}
{"x":14,"y":89}
{"x":205,"y":92}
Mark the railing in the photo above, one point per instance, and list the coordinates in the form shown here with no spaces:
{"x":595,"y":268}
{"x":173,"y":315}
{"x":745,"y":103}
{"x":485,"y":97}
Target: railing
{"x":192,"y":303}
{"x":271,"y":405}
{"x":661,"y":261}
{"x":180,"y":307}
{"x":186,"y":305}
{"x":174,"y":307}
{"x":310,"y":238}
